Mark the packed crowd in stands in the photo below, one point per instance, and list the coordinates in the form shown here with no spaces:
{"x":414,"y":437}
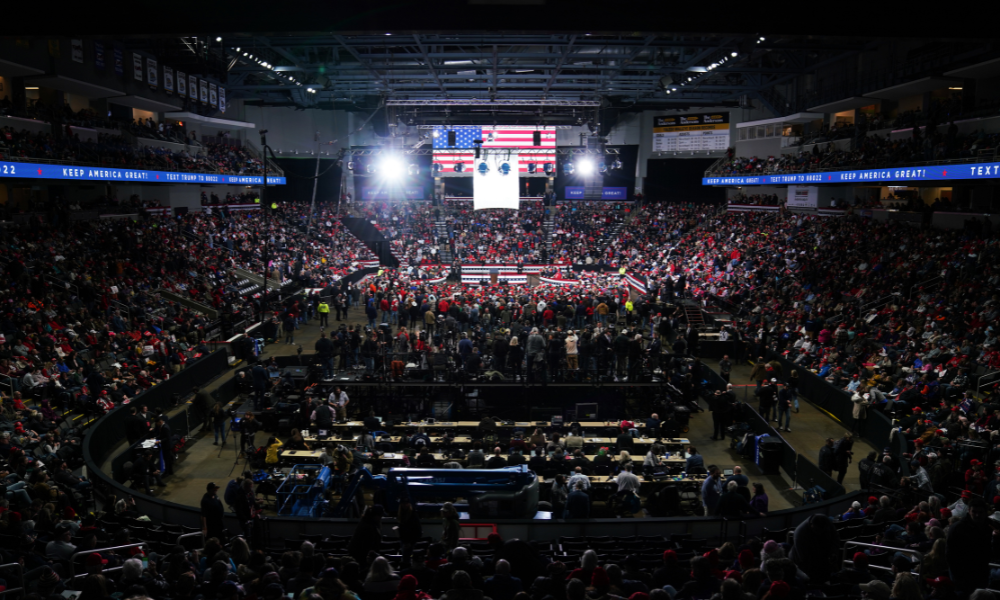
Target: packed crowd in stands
{"x":924,"y":144}
{"x":498,"y":236}
{"x":114,"y":151}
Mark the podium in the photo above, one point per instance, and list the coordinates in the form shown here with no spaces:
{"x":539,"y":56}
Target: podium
{"x":494,"y":276}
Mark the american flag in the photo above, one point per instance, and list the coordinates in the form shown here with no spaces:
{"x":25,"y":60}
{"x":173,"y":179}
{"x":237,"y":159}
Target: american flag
{"x":500,"y":136}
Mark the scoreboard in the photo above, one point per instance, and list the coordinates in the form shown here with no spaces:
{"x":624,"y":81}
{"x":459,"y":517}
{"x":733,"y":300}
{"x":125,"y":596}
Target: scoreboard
{"x":691,"y":133}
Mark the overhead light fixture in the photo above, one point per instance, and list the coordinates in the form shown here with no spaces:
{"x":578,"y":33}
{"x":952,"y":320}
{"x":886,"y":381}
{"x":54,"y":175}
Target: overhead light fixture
{"x":602,"y":168}
{"x":31,"y":88}
{"x":459,"y":167}
{"x":549,"y":168}
{"x":586,"y":167}
{"x":483,"y":168}
{"x":218,"y":39}
{"x":388,"y":34}
{"x":237,"y":48}
{"x":437,"y":168}
{"x":570,"y":168}
{"x":351,"y":165}
{"x":413,"y":169}
{"x":531,"y":167}
{"x":734,"y":54}
{"x":505,"y":168}
{"x":762,"y":38}
{"x":436,"y":133}
{"x":951,"y":88}
{"x":370,"y":169}
{"x":617,"y":165}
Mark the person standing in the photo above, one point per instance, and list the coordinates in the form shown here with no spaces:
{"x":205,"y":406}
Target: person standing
{"x":165,"y":437}
{"x":784,"y":406}
{"x":324,"y":313}
{"x":212,"y":514}
{"x":861,"y":404}
{"x":409,"y":529}
{"x":843,"y":454}
{"x":725,"y":368}
{"x":968,"y":548}
{"x":826,"y":457}
{"x":288,"y":325}
{"x":339,"y":399}
{"x":759,"y":372}
{"x":217,"y":420}
{"x":450,"y":526}
{"x":711,"y":490}
{"x":572,"y":352}
{"x":766,"y":395}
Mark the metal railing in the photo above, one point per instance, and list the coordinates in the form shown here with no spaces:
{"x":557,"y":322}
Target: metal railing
{"x":20,"y":577}
{"x":889,"y":549}
{"x":982,"y":384}
{"x":72,"y":559}
{"x":931,"y":283}
{"x":875,"y":304}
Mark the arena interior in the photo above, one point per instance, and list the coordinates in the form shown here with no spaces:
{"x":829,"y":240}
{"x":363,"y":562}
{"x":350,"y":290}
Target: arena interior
{"x":497,"y":300}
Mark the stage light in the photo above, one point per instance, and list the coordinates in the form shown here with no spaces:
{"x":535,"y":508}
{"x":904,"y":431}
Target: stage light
{"x":586,"y":167}
{"x":483,"y":168}
{"x":237,"y":48}
{"x":505,"y":168}
{"x":549,"y":168}
{"x":437,"y":168}
{"x":436,"y":133}
{"x":351,"y":165}
{"x":413,"y":169}
{"x":392,"y":167}
{"x":218,"y":39}
{"x":602,"y":168}
{"x":734,"y":54}
{"x":617,"y":164}
{"x":459,"y":167}
{"x":370,"y":169}
{"x":569,"y":169}
{"x":531,"y":167}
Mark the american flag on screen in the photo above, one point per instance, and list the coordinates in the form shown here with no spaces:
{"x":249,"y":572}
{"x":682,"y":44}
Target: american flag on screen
{"x":501,"y":136}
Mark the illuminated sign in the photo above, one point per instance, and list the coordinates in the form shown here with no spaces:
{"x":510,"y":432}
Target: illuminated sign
{"x":35,"y":171}
{"x":935,"y":173}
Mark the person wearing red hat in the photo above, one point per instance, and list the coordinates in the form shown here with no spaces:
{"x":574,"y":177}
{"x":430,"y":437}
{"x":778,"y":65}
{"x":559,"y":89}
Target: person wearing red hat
{"x":671,"y":573}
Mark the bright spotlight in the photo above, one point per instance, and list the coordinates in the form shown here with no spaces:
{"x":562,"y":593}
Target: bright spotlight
{"x":505,"y":168}
{"x":392,"y":167}
{"x":483,"y":168}
{"x":734,"y":55}
{"x":586,"y":167}
{"x":218,"y":39}
{"x":436,"y":133}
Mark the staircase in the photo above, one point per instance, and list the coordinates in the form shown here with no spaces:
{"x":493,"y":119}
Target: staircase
{"x":549,"y":227}
{"x":373,"y":238}
{"x":442,"y":233}
{"x":693,"y":313}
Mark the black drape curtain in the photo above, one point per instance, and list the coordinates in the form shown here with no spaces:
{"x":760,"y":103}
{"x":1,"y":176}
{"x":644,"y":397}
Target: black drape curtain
{"x":680,"y":179}
{"x":298,"y":188}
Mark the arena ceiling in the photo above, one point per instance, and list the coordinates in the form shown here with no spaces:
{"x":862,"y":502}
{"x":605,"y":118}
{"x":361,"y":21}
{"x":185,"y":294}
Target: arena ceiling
{"x":446,"y":58}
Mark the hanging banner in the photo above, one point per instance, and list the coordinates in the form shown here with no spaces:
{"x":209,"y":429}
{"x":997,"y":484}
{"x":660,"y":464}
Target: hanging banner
{"x":168,"y":80}
{"x":192,"y":87}
{"x":77,"y":50}
{"x":151,"y":73}
{"x":182,"y":84}
{"x":39,"y":171}
{"x":119,"y":63}
{"x":99,"y":56}
{"x":213,"y":95}
{"x":137,"y":66}
{"x":203,"y":91}
{"x":222,"y":99}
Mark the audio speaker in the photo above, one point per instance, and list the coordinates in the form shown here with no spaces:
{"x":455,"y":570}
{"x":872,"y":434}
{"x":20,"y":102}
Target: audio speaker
{"x":538,"y":138}
{"x":451,"y":138}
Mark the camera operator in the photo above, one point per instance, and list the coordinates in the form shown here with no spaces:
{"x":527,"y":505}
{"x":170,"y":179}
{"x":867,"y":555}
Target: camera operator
{"x":249,"y":426}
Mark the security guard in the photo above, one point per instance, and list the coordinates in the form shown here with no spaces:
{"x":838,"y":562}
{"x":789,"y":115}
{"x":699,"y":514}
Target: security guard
{"x":621,"y":270}
{"x":324,"y":313}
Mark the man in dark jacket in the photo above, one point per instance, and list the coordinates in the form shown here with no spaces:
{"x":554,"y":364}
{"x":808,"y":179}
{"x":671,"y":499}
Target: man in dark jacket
{"x":865,"y":469}
{"x":969,"y":548}
{"x":732,"y":504}
{"x":814,"y":541}
{"x":577,"y":504}
{"x":826,"y":458}
{"x":620,"y":346}
{"x":288,"y":325}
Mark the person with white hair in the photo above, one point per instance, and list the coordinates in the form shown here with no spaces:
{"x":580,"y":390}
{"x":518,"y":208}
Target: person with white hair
{"x":854,"y":512}
{"x":381,"y":578}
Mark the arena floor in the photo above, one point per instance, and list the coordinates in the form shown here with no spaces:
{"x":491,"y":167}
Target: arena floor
{"x":203,"y":462}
